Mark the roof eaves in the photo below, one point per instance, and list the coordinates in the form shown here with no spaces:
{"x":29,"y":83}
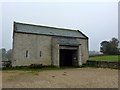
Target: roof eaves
{"x":47,"y":34}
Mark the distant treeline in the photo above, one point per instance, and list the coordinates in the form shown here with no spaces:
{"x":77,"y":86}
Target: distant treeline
{"x":6,"y":55}
{"x":110,"y":47}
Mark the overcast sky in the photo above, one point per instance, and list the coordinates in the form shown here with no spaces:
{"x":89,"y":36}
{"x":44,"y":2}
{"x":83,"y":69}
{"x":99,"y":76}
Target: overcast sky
{"x":98,"y":20}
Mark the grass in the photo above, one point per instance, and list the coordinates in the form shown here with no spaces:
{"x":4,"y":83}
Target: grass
{"x":105,"y":58}
{"x":37,"y":69}
{"x":31,"y":69}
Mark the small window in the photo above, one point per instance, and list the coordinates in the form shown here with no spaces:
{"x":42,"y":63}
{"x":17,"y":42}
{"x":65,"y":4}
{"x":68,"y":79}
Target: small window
{"x":40,"y":53}
{"x":26,"y":53}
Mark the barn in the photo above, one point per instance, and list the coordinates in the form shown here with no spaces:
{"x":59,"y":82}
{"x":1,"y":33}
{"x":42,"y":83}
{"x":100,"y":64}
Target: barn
{"x":37,"y":44}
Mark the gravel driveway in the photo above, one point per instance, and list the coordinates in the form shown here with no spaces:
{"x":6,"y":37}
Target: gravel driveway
{"x":66,"y":78}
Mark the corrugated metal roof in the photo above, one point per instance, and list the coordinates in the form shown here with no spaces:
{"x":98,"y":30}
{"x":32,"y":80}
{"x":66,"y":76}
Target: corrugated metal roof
{"x":37,"y":29}
{"x":66,"y":41}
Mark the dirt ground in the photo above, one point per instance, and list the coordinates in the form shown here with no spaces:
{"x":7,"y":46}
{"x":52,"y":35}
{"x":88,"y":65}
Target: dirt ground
{"x":66,"y":78}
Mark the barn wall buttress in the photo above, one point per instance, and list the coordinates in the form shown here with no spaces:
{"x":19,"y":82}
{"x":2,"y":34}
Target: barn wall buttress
{"x":84,"y":50}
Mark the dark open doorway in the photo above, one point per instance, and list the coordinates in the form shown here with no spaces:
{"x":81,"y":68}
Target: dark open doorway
{"x":67,"y":57}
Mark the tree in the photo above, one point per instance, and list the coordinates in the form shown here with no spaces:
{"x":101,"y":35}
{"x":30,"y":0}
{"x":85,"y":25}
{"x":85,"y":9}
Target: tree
{"x":9,"y":54}
{"x":6,"y":55}
{"x":104,"y":47}
{"x":110,"y":47}
{"x":2,"y":54}
{"x":114,"y":46}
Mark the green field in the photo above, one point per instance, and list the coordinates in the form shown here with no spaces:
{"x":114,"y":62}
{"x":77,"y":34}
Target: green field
{"x":106,"y":58}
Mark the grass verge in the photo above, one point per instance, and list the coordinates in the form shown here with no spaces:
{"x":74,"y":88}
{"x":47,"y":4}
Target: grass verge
{"x":34,"y":70}
{"x":37,"y":69}
{"x":106,"y":58}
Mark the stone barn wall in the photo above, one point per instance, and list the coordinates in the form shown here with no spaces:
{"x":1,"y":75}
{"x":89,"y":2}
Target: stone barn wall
{"x":84,"y":50}
{"x":104,"y":64}
{"x":38,"y":47}
{"x":33,"y":44}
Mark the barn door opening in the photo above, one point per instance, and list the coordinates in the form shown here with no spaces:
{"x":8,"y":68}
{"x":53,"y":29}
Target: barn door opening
{"x":68,"y":57}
